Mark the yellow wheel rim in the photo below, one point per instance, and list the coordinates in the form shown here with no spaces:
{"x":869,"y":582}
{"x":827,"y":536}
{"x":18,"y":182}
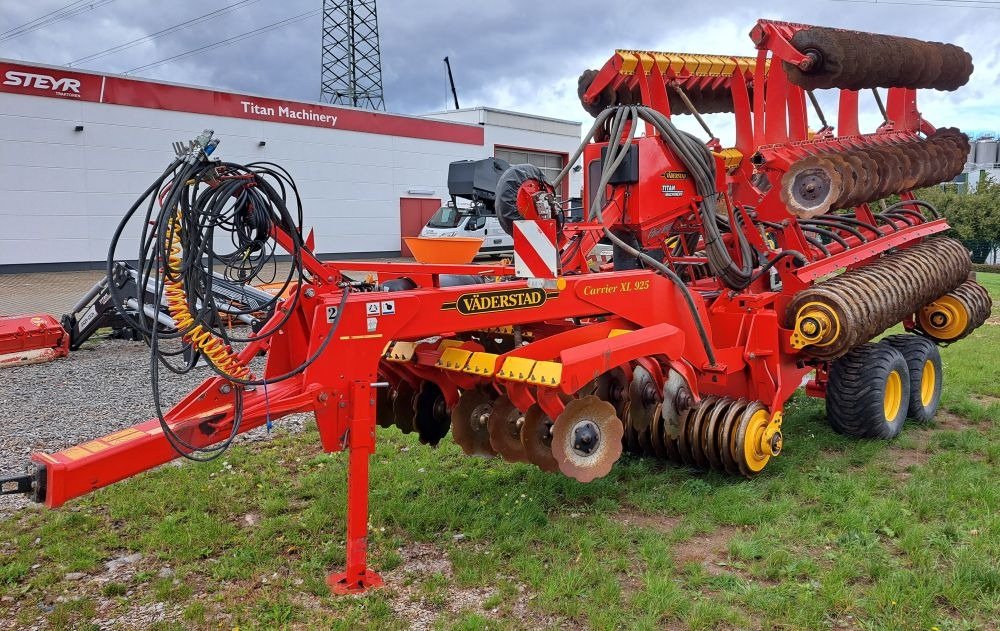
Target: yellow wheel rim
{"x":928,"y":379}
{"x":754,"y":454}
{"x":893,"y":397}
{"x":946,"y":318}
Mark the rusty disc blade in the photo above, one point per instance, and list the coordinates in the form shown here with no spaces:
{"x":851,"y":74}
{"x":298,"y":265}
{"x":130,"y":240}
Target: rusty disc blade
{"x":727,"y":429}
{"x":504,"y":427}
{"x":710,"y":429}
{"x":403,"y":406}
{"x":432,"y":420}
{"x":810,"y":187}
{"x":536,"y":438}
{"x":656,"y":435}
{"x":613,"y":387}
{"x":469,"y":420}
{"x":587,"y":439}
{"x":383,"y":406}
{"x":695,"y":432}
{"x":644,"y":394}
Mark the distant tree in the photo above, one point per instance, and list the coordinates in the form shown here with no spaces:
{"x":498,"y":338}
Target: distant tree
{"x":974,"y":217}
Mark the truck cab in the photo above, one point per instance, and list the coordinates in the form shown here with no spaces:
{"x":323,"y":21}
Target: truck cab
{"x":475,"y":222}
{"x":473,"y":181}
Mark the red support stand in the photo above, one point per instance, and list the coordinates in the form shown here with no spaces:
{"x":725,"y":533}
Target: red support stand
{"x":357,"y":578}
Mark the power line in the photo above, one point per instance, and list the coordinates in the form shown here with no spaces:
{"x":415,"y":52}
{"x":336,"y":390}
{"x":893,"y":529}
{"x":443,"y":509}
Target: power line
{"x":54,"y":17}
{"x":231,"y":40}
{"x":161,"y":33}
{"x":42,"y":17}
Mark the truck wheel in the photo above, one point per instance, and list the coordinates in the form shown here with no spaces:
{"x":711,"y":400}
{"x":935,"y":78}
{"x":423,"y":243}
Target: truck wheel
{"x":926,"y":374}
{"x":868,"y":392}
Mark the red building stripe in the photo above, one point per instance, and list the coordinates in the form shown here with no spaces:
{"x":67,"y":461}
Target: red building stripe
{"x":69,"y":84}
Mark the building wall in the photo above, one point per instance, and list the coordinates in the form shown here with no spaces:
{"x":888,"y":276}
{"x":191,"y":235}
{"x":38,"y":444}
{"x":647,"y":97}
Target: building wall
{"x":516,"y":130}
{"x":63,"y":192}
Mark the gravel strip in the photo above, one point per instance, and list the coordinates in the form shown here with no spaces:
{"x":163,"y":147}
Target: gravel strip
{"x":99,"y":389}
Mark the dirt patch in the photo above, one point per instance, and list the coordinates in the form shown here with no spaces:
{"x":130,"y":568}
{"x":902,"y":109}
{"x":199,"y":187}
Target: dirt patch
{"x":903,"y":461}
{"x":710,"y":549}
{"x":420,"y":607}
{"x":949,"y":421}
{"x":986,"y":400}
{"x":659,"y":523}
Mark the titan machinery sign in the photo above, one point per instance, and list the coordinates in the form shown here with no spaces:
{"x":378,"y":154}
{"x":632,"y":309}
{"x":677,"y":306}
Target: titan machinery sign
{"x":62,"y":83}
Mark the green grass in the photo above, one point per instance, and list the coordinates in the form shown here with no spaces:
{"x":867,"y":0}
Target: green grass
{"x":837,"y":533}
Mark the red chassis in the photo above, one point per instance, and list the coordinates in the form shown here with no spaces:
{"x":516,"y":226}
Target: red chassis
{"x":623,"y":316}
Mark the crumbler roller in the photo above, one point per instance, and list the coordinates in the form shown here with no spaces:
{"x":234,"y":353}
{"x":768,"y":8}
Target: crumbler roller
{"x":832,"y":317}
{"x":854,"y":60}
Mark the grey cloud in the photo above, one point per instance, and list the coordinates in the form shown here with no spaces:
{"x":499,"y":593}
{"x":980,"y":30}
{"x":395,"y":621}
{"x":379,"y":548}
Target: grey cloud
{"x":525,"y":54}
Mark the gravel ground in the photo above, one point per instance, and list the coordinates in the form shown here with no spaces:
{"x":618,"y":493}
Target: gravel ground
{"x":99,"y":389}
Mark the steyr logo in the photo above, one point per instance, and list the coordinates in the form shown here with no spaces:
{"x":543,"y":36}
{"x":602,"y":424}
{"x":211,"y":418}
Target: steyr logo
{"x":64,"y":85}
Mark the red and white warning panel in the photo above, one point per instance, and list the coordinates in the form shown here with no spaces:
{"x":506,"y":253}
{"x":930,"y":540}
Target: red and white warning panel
{"x":535,"y":252}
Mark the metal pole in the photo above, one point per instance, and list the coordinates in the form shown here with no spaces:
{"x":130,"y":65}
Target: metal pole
{"x":451,"y":80}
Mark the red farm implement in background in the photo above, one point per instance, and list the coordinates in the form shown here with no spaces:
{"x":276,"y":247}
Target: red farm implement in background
{"x":31,"y":339}
{"x":738,"y":275}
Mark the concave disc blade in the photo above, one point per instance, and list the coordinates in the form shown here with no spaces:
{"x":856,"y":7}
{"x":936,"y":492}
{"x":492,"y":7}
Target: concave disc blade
{"x":504,"y":427}
{"x":536,"y":438}
{"x":403,"y":410}
{"x":587,"y":439}
{"x":469,"y":420}
{"x":432,"y":420}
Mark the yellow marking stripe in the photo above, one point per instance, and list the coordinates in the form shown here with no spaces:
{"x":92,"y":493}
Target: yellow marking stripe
{"x":677,"y":63}
{"x":516,"y":368}
{"x":454,"y":359}
{"x":481,"y":364}
{"x":401,"y":352}
{"x":547,"y":374}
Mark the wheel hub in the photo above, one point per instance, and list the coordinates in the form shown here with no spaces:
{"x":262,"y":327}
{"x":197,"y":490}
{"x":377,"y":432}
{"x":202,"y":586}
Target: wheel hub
{"x":586,"y":438}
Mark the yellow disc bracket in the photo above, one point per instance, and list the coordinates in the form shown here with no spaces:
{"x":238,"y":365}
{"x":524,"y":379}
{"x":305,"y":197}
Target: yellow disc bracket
{"x":816,"y":324}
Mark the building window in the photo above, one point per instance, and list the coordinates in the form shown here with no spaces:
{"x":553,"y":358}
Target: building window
{"x":550,"y":163}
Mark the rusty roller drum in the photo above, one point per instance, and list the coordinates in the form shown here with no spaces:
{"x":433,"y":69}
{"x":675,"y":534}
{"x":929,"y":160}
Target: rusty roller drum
{"x":956,"y":314}
{"x":605,"y":99}
{"x":853,"y":60}
{"x":733,"y":436}
{"x":831,"y":318}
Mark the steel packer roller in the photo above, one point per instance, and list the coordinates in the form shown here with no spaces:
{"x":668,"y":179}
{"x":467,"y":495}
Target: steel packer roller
{"x":956,"y":314}
{"x":832,"y":317}
{"x":719,"y":302}
{"x":854,"y":60}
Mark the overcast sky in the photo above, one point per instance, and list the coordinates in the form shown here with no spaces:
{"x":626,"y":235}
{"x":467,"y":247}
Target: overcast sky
{"x":518,"y":55}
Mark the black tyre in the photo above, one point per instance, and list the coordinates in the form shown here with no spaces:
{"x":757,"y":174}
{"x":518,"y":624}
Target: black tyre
{"x":926,"y":374}
{"x":868,"y":392}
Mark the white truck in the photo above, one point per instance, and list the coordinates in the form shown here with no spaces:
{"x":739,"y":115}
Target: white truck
{"x":474,"y":181}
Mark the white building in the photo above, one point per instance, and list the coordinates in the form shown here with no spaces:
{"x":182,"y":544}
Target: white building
{"x":78,"y":148}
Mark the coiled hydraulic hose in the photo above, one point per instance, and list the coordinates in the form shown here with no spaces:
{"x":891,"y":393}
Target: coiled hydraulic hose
{"x":201,"y":214}
{"x":214,"y":349}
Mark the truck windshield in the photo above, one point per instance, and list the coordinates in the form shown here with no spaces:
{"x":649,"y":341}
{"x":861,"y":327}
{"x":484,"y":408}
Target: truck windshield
{"x":446,"y":217}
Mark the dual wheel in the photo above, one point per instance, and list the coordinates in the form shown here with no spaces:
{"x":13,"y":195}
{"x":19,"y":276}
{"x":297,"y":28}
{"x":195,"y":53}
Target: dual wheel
{"x":874,"y":388}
